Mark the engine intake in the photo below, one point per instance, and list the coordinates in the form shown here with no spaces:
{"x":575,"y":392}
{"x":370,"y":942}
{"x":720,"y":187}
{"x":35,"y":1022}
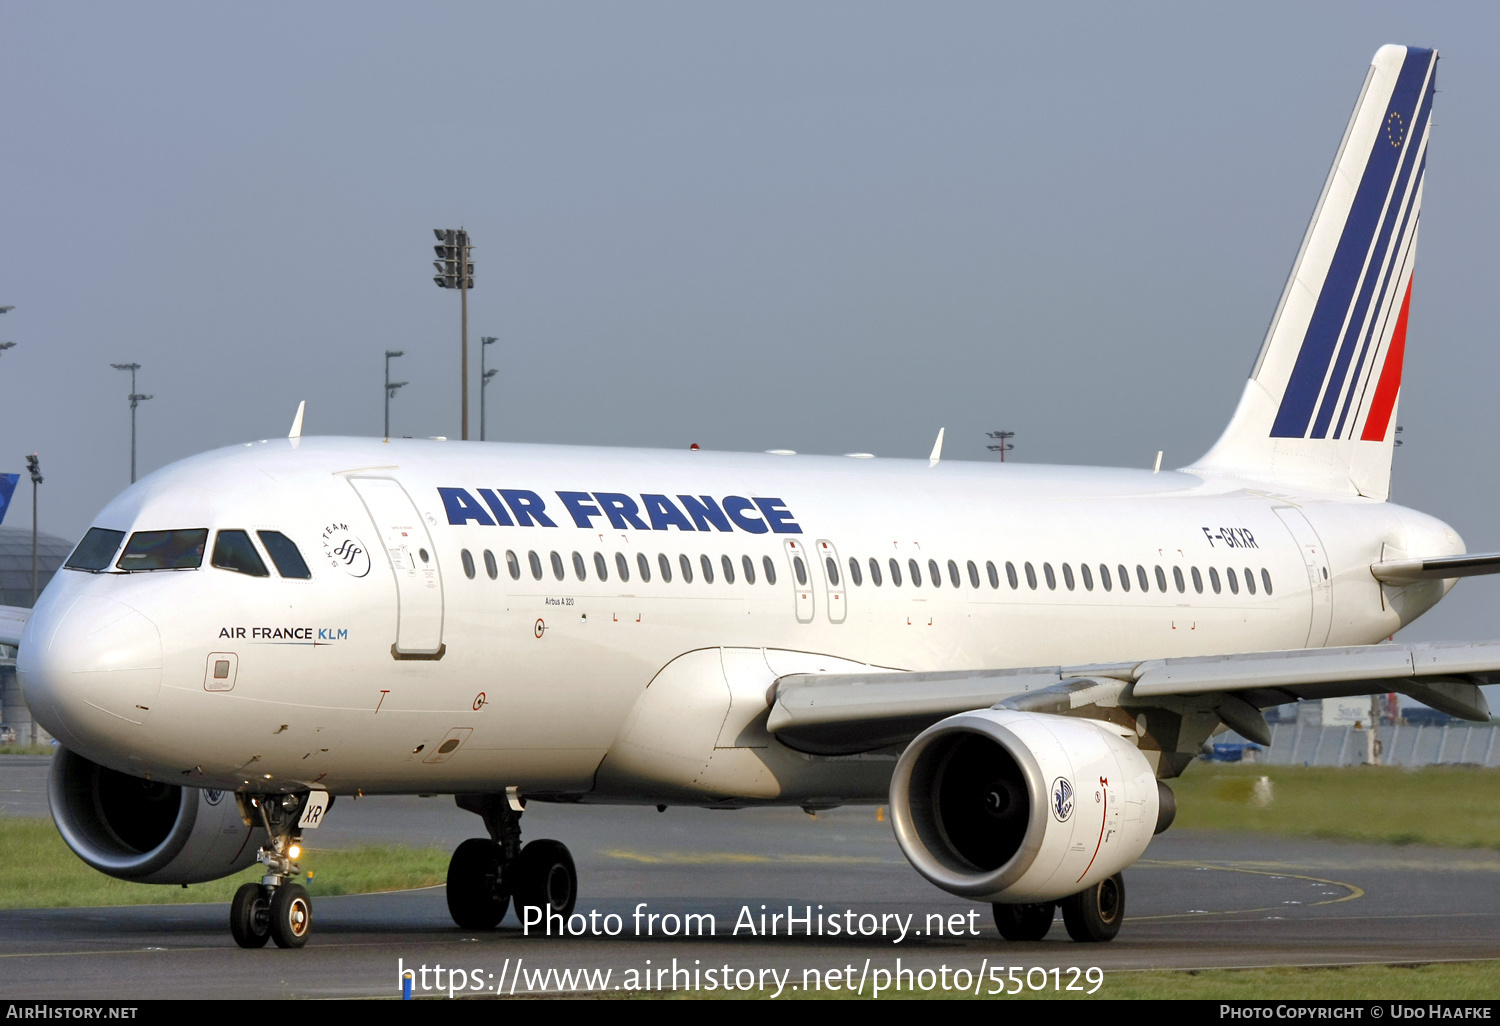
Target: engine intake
{"x":147,"y":831}
{"x":1007,"y":806}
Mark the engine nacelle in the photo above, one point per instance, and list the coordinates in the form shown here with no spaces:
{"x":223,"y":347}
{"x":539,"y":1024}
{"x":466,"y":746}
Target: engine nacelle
{"x":1013,"y":807}
{"x":147,"y":831}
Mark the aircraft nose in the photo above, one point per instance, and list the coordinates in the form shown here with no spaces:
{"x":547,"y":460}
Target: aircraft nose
{"x":89,"y":667}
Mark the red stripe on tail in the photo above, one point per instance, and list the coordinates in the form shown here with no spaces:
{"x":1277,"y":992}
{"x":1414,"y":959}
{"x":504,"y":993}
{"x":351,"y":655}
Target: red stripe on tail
{"x":1390,"y":379}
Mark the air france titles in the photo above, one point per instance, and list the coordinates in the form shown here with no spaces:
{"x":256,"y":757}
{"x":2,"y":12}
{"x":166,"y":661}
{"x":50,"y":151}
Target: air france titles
{"x":517,"y":507}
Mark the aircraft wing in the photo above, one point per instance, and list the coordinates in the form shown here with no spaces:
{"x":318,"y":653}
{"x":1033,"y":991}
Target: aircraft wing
{"x":847,"y":713}
{"x":12,"y":622}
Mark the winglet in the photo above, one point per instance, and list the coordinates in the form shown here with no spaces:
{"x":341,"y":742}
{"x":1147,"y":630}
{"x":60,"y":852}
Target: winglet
{"x":937,"y":449}
{"x":296,"y":431}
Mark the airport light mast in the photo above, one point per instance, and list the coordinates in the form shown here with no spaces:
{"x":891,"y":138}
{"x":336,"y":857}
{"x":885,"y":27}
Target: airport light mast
{"x":390,"y":387}
{"x":1002,"y":443}
{"x":34,"y":467}
{"x":136,"y":399}
{"x":484,"y":378}
{"x":455,"y":272}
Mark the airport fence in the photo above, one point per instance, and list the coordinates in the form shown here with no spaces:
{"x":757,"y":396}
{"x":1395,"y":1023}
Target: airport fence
{"x":1299,"y":744}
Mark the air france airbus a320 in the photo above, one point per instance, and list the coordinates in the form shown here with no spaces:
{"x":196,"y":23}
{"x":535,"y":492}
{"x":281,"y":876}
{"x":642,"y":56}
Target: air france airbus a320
{"x":244,"y":635}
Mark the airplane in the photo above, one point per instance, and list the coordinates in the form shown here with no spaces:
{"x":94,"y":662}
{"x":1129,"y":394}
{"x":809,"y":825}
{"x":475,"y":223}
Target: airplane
{"x":1015,"y":658}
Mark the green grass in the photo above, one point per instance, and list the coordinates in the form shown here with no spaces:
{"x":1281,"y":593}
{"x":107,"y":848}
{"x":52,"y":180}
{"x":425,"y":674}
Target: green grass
{"x":17,"y":748}
{"x":1449,"y":806}
{"x":40,"y":872}
{"x":1457,"y":981}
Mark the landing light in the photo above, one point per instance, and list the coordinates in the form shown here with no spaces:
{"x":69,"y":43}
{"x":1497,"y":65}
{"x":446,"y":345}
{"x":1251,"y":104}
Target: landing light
{"x":295,"y":851}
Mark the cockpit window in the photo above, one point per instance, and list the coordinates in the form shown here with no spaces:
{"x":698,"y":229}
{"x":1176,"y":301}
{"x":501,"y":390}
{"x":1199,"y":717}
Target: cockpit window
{"x":97,"y":550}
{"x":164,"y":550}
{"x":233,"y":550}
{"x":284,"y":554}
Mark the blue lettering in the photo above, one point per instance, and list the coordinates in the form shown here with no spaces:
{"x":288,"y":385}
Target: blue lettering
{"x":664,"y":513}
{"x":527,"y":506}
{"x":735,"y":506}
{"x":621,"y":510}
{"x":462,"y":508}
{"x":705,"y":511}
{"x":578,"y":505}
{"x":778,"y":516}
{"x":496,"y":506}
{"x":322,"y":634}
{"x":343,"y":634}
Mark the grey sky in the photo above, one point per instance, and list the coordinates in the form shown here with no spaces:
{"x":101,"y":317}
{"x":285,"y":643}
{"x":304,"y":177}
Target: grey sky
{"x":825,"y":227}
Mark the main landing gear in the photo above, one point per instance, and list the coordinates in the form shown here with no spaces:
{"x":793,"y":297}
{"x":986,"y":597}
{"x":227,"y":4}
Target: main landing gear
{"x":485,"y":874}
{"x":1091,"y":915}
{"x":274,"y":909}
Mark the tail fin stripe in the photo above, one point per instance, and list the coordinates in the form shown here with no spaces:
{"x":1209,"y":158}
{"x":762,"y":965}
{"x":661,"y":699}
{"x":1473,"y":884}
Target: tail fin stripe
{"x":1336,"y":297}
{"x":1399,"y":204}
{"x":1390,"y":379}
{"x":1398,"y":271}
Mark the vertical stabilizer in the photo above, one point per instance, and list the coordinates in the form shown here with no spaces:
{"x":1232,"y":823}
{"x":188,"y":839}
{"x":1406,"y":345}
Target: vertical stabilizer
{"x":1319,"y":410}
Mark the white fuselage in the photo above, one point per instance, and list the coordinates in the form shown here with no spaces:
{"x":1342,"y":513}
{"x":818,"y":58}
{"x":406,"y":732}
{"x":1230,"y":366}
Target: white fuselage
{"x":353,"y":680}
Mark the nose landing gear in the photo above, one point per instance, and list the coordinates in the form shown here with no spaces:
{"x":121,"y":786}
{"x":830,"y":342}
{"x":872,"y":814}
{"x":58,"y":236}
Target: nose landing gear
{"x":486,"y":873}
{"x":274,"y":909}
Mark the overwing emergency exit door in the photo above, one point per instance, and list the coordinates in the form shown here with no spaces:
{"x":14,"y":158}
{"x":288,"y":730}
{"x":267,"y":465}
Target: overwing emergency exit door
{"x":413,"y":560}
{"x":802,"y":571}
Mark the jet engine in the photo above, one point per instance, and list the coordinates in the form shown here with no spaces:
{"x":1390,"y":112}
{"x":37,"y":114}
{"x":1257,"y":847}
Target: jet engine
{"x":144,"y":830}
{"x":1016,"y":807}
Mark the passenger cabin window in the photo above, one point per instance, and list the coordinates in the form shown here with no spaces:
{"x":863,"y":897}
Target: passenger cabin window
{"x":1161,"y":580}
{"x":1265,"y":578}
{"x":164,"y":550}
{"x":1068,"y":576}
{"x":1140,"y":576}
{"x":973,"y":574}
{"x":895,"y":573}
{"x":601,"y":567}
{"x":915,"y":573}
{"x":489,"y":565}
{"x":622,"y":566}
{"x":644,"y":566}
{"x":580,"y":569}
{"x":1010,"y":575}
{"x":800,"y":570}
{"x":1213,"y":579}
{"x":233,"y":550}
{"x":748,"y":565}
{"x":708,"y":569}
{"x":727,"y":565}
{"x":96,"y":551}
{"x":1125,"y":576}
{"x":1031,"y":577}
{"x":989,"y":569}
{"x":1250,"y":580}
{"x":464,"y":557}
{"x":1088,"y":576}
{"x":513,"y":565}
{"x":932,"y":573}
{"x":1197,"y":581}
{"x":557,"y":566}
{"x":833,"y":571}
{"x":665,"y":566}
{"x":1177,"y":580}
{"x":1051,"y":577}
{"x":875,"y":572}
{"x":953,"y":573}
{"x":1104,"y":578}
{"x":687,"y":568}
{"x":536,"y":564}
{"x":1234,"y":581}
{"x":770,"y":569}
{"x":854,"y":572}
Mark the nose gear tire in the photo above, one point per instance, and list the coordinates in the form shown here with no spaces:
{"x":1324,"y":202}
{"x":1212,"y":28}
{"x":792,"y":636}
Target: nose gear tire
{"x":250,"y":916}
{"x":291,"y":916}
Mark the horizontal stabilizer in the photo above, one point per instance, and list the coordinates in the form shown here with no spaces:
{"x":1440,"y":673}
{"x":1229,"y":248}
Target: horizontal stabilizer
{"x":1404,"y":571}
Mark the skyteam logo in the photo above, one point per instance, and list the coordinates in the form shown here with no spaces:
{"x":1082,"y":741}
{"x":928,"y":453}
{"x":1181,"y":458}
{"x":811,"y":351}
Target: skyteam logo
{"x":345,"y":551}
{"x":1062,"y":799}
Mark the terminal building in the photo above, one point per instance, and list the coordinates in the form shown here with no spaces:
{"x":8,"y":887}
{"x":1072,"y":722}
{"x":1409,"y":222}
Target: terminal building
{"x":16,"y":590}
